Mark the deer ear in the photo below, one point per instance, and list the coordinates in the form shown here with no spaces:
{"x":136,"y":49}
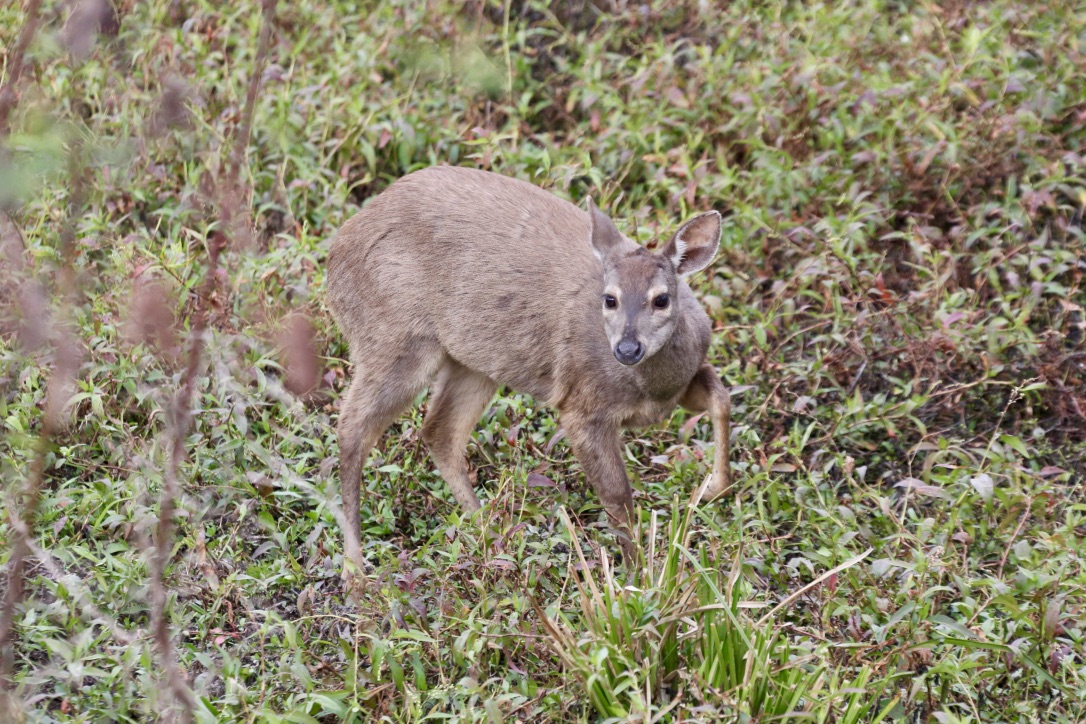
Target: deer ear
{"x":695,"y":244}
{"x":604,"y":236}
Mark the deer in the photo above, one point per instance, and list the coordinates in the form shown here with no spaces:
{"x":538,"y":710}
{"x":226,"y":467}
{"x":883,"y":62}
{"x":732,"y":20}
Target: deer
{"x":463,"y":280}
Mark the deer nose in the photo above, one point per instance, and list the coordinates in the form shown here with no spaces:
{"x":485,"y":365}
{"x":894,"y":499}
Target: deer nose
{"x":629,"y":351}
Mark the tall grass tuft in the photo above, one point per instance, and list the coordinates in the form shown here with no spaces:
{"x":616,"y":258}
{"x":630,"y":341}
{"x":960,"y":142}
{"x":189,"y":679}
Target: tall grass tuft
{"x":676,"y":639}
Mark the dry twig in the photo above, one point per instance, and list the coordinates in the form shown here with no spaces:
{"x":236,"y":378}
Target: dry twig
{"x":22,"y":513}
{"x":180,"y":417}
{"x":9,"y":94}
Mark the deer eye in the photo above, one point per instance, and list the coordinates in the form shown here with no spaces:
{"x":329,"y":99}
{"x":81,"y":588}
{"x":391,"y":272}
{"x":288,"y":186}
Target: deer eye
{"x":661,"y":301}
{"x":609,"y":301}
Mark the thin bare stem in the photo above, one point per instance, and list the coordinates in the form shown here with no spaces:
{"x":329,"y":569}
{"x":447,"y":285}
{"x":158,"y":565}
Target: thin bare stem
{"x":23,"y":517}
{"x":244,"y":132}
{"x":9,"y":94}
{"x":181,"y":408}
{"x":1014,"y":537}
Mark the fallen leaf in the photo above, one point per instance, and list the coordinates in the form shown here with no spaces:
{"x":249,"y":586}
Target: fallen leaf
{"x":921,"y":488}
{"x":535,"y":480}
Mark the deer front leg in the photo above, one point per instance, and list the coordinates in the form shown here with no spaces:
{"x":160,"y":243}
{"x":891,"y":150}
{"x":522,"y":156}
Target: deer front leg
{"x":597,"y":443}
{"x":707,"y":393}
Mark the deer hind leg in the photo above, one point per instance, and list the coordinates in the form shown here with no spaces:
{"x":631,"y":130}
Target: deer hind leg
{"x":380,"y":391}
{"x":459,"y":399}
{"x":707,"y":393}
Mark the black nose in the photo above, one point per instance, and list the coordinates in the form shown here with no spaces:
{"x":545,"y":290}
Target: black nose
{"x":629,"y":352}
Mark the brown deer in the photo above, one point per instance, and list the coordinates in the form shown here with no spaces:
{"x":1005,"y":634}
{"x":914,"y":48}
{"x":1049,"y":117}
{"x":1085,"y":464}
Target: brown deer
{"x":468,"y":280}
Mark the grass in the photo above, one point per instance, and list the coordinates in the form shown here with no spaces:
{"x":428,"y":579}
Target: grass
{"x":898,"y":308}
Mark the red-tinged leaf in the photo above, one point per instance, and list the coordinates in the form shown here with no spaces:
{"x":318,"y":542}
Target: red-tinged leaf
{"x":558,"y":435}
{"x":1034,"y":201}
{"x":1014,"y":86}
{"x":741,"y":99}
{"x":688,"y":427}
{"x":884,"y":295}
{"x":140,"y":269}
{"x":677,"y":98}
{"x":1059,"y":653}
{"x":1049,"y":470}
{"x":929,"y":157}
{"x":1052,"y":619}
{"x":535,"y":480}
{"x":952,"y":318}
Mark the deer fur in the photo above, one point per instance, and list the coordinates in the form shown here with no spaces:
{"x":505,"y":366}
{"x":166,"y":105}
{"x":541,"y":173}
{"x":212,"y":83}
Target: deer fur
{"x":464,"y":280}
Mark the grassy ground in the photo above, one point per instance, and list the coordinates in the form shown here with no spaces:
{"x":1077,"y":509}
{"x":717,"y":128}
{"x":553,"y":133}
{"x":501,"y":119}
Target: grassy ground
{"x":898,"y":308}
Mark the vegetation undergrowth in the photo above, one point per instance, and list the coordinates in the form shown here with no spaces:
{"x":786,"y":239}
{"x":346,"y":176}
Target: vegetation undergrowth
{"x":898,"y":311}
{"x":677,"y":626}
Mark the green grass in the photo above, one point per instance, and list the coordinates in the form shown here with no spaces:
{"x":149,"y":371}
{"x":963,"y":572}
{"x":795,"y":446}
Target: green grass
{"x":898,"y":308}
